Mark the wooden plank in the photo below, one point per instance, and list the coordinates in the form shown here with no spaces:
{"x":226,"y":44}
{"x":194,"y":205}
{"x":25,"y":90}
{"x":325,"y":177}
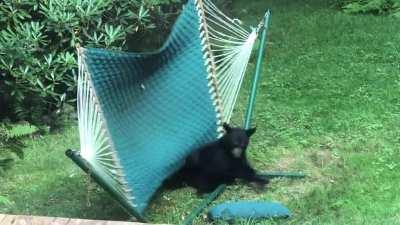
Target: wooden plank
{"x":61,"y":221}
{"x":27,"y":220}
{"x":22,"y":220}
{"x":40,"y":220}
{"x":32,"y":220}
{"x":124,"y":223}
{"x":2,"y":217}
{"x":7,"y":220}
{"x":86,"y":222}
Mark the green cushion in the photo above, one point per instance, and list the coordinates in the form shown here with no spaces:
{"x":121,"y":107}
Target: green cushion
{"x":248,"y":210}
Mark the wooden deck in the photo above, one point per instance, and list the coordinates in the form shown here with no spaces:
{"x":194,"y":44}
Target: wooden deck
{"x":40,"y":220}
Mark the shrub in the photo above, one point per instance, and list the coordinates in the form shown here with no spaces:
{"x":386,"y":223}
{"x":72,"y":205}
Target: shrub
{"x":10,"y":142}
{"x":371,"y":6}
{"x":37,"y":46}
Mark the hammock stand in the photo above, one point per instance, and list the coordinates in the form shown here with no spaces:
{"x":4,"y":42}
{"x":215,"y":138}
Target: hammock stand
{"x":109,"y":147}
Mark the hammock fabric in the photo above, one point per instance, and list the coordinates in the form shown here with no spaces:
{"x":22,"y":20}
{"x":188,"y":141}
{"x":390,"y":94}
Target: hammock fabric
{"x":140,"y":115}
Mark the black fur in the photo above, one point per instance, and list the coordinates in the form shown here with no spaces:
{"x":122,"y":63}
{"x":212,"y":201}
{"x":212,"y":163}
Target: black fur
{"x":220,"y":162}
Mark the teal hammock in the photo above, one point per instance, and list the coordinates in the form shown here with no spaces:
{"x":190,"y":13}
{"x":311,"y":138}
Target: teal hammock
{"x":140,"y":115}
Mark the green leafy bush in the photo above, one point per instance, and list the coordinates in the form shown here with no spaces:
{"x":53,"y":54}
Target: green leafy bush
{"x":10,"y":142}
{"x":371,"y":6}
{"x":37,"y":46}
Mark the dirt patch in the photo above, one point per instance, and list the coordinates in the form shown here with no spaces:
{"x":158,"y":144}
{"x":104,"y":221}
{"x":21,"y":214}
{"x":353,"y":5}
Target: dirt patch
{"x":321,"y":158}
{"x":286,"y":163}
{"x":319,"y":164}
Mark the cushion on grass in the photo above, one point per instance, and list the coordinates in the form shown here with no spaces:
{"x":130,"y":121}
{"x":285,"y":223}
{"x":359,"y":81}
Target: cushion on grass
{"x":248,"y":210}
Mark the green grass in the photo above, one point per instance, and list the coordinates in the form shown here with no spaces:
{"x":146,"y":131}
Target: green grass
{"x":328,"y":105}
{"x":46,"y":182}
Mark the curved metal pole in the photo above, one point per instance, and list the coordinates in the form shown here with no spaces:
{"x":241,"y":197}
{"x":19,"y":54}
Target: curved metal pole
{"x":257,"y":74}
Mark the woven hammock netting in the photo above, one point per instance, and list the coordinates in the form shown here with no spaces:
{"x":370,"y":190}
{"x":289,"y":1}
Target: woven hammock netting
{"x":141,"y":114}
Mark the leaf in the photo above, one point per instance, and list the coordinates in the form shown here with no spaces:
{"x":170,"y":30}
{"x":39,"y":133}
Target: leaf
{"x":40,"y":83}
{"x":20,"y":130}
{"x":3,"y":200}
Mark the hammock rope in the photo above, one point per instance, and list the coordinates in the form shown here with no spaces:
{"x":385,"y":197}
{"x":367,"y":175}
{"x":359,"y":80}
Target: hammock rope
{"x":95,"y":144}
{"x":230,"y":46}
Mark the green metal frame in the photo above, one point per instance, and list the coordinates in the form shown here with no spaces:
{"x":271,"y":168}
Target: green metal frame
{"x":261,"y":51}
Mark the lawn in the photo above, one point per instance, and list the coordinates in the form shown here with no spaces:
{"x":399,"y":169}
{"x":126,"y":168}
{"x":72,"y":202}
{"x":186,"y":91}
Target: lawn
{"x":328,"y":105}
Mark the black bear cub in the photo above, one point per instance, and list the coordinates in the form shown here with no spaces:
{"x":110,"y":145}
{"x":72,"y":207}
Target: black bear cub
{"x":220,"y":162}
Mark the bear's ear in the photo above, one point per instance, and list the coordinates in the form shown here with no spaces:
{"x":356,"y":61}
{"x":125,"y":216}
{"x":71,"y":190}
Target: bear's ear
{"x":227,"y":127}
{"x":250,"y":131}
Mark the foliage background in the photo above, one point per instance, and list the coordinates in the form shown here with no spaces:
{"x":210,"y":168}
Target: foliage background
{"x":370,"y":6}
